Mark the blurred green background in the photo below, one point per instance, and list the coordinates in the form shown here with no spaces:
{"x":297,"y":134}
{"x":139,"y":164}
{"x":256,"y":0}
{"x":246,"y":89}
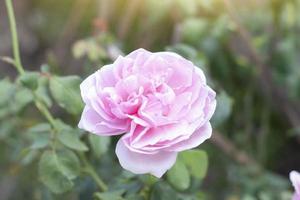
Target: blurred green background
{"x":249,"y":49}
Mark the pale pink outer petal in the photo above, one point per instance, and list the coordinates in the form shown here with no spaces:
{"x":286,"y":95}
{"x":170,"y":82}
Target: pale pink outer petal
{"x":198,"y":137}
{"x":156,"y":164}
{"x":295,"y":178}
{"x":139,"y":52}
{"x":87,"y":88}
{"x":92,"y":122}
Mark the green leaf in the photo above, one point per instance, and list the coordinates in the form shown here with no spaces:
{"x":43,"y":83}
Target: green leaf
{"x":7,"y":89}
{"x":42,"y":91}
{"x":110,"y":195}
{"x":6,"y":129}
{"x":134,"y":197}
{"x":149,"y":179}
{"x":65,"y":91}
{"x":70,"y":164}
{"x":22,"y":98}
{"x":196,"y":162}
{"x":179,"y":176}
{"x":71,"y":140}
{"x":42,"y":127}
{"x":162,"y":191}
{"x":99,"y":144}
{"x":40,"y":142}
{"x":29,"y":80}
{"x":40,"y":135}
{"x":223,"y":110}
{"x":28,"y":156}
{"x":57,"y":171}
{"x":70,"y":137}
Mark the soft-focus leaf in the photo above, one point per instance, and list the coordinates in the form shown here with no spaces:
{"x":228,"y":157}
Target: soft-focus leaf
{"x":51,"y":174}
{"x":65,"y":91}
{"x":40,"y":142}
{"x":7,"y":128}
{"x":70,"y":164}
{"x":29,"y":80}
{"x":6,"y":91}
{"x":57,"y":171}
{"x":196,"y":162}
{"x":40,"y":135}
{"x":110,"y":195}
{"x":70,"y":137}
{"x":99,"y":144}
{"x":134,"y":197}
{"x":42,"y":91}
{"x":149,"y":179}
{"x":42,"y":127}
{"x":162,"y":191}
{"x":71,"y":140}
{"x":179,"y":176}
{"x":22,"y":97}
{"x":28,"y":156}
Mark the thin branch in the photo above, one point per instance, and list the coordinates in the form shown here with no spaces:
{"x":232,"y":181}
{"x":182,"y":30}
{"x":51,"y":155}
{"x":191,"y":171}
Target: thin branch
{"x":14,"y":36}
{"x":8,"y":60}
{"x":231,"y":150}
{"x":88,"y":168}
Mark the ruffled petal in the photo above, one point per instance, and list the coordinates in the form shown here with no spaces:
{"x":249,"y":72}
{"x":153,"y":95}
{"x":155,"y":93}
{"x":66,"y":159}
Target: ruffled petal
{"x":198,"y":137}
{"x":91,"y":121}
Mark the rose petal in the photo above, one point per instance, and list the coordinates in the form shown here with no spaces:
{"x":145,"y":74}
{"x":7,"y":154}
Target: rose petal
{"x":87,"y":88}
{"x":295,"y":178}
{"x":198,"y":137}
{"x":106,"y":76}
{"x":92,"y":122}
{"x":138,"y":163}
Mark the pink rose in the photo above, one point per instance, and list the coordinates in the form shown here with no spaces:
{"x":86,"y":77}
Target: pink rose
{"x":295,"y":178}
{"x":159,"y":100}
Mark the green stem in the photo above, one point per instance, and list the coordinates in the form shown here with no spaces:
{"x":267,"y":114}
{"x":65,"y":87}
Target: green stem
{"x":14,"y":36}
{"x":44,"y":110}
{"x":88,"y":168}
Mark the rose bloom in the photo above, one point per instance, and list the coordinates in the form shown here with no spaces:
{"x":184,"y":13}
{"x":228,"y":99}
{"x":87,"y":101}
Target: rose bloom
{"x":159,"y":100}
{"x":295,"y":178}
